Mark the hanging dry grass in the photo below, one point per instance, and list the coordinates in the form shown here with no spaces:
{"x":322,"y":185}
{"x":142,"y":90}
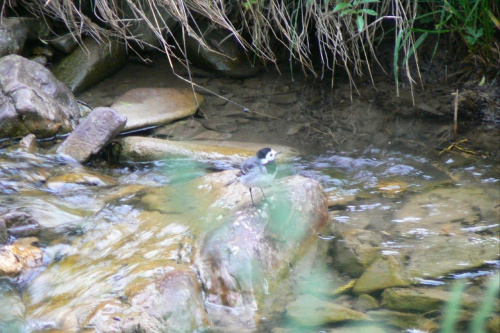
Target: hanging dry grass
{"x":341,"y":33}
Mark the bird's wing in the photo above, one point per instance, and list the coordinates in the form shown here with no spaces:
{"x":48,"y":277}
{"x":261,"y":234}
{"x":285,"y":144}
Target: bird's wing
{"x":249,"y":165}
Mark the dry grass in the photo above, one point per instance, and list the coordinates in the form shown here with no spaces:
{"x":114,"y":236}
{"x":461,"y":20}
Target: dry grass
{"x":306,"y":28}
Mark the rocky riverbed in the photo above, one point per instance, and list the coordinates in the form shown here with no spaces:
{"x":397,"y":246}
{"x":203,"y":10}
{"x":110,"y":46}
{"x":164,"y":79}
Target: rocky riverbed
{"x":117,"y":218}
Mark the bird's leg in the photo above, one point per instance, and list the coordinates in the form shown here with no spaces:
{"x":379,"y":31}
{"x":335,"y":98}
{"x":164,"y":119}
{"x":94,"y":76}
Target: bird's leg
{"x":251,"y":196}
{"x":263,"y":194}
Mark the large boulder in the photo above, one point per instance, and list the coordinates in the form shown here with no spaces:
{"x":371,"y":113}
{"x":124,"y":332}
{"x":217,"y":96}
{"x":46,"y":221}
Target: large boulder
{"x":146,"y":107}
{"x":255,"y":246}
{"x":90,"y":64}
{"x":93,"y":133}
{"x":33,"y":101}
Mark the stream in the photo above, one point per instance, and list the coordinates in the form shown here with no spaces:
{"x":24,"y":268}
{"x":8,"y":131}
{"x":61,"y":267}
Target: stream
{"x":109,"y":229}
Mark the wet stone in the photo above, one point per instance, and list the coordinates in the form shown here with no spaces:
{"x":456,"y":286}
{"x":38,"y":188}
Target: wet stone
{"x":420,"y":299}
{"x":4,"y":236}
{"x":92,"y":134}
{"x":12,"y":308}
{"x":20,"y":224}
{"x":74,"y":179}
{"x":385,"y":272}
{"x":28,"y":144}
{"x":366,"y":302}
{"x":404,"y":320}
{"x":308,"y":310}
{"x":20,"y":256}
{"x":356,"y":249}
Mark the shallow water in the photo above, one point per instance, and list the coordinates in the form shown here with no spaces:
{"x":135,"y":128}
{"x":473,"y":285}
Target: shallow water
{"x":112,"y":229}
{"x":103,"y":236}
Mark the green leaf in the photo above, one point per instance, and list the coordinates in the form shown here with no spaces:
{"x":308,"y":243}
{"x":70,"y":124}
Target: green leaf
{"x":369,"y":1}
{"x":415,"y":46}
{"x":396,"y":56}
{"x":347,"y":11}
{"x":482,"y":82}
{"x":341,"y":6}
{"x":360,"y":21}
{"x":368,"y":11}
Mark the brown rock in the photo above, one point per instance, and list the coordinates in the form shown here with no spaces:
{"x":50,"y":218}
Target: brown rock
{"x":385,"y":272}
{"x":19,"y":256}
{"x":92,"y":134}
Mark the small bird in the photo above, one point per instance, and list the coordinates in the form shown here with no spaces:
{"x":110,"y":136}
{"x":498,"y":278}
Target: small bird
{"x":258,"y":171}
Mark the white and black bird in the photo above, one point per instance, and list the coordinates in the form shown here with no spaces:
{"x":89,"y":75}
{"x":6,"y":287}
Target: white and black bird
{"x":258,"y":171}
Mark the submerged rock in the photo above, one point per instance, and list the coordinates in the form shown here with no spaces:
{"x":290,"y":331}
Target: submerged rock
{"x":90,"y":64}
{"x":420,"y":299}
{"x":255,"y":245}
{"x":92,"y":134}
{"x":71,"y":180}
{"x":308,"y":310}
{"x":403,"y":320}
{"x":135,"y":148}
{"x":444,"y":231}
{"x":356,"y":249}
{"x":146,"y":107}
{"x":172,"y":304}
{"x":20,"y":256}
{"x":12,"y":308}
{"x":385,"y":272}
{"x":440,"y":254}
{"x":20,"y":224}
{"x":33,"y":101}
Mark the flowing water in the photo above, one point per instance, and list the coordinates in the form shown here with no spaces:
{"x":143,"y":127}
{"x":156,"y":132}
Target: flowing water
{"x":110,"y":229}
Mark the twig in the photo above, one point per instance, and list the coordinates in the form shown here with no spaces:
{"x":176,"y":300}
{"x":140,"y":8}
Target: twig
{"x":455,"y":117}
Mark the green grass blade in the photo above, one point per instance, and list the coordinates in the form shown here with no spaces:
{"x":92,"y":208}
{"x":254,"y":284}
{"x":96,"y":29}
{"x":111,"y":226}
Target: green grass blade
{"x":396,"y":57}
{"x":415,"y":47}
{"x":487,"y":306}
{"x":452,"y":310}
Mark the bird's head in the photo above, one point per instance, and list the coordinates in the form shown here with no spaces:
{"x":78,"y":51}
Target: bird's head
{"x":266,"y":155}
